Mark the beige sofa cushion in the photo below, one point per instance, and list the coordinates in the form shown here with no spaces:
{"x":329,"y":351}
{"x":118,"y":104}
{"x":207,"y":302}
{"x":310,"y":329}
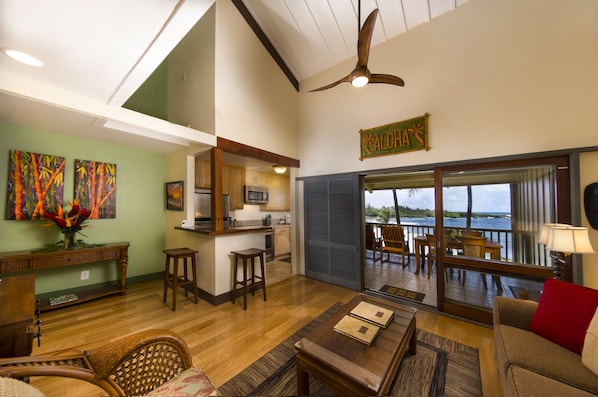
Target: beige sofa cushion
{"x":530,"y":384}
{"x":589,"y":354}
{"x":517,"y":347}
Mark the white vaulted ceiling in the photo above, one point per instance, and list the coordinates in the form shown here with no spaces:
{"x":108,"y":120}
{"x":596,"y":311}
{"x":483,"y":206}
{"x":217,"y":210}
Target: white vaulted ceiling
{"x":313,"y":35}
{"x":96,"y":53}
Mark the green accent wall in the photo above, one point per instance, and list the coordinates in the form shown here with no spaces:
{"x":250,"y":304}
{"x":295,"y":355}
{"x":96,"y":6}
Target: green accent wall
{"x":151,"y":97}
{"x":140,"y":209}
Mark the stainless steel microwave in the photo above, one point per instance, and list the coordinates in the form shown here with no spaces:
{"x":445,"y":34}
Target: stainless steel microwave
{"x":256,"y":195}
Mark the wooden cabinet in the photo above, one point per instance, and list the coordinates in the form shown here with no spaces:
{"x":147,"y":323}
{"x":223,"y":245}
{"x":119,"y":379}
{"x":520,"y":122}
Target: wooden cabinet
{"x":282,"y":240}
{"x":203,"y":173}
{"x":256,"y":178}
{"x":17,"y":294}
{"x":233,"y":179}
{"x":279,"y":188}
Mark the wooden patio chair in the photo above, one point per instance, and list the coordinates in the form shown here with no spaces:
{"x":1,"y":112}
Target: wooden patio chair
{"x":154,"y":362}
{"x":371,"y":241}
{"x":431,"y":240}
{"x":476,"y":247}
{"x":471,"y":233}
{"x":393,"y":241}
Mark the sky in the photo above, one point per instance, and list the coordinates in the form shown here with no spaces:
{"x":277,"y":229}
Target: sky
{"x":485,"y":198}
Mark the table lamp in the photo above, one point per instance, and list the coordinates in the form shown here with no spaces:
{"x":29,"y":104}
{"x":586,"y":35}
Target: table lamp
{"x":563,"y":240}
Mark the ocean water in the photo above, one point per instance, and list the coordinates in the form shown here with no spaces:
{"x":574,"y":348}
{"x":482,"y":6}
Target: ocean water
{"x":476,"y":223}
{"x":490,"y":222}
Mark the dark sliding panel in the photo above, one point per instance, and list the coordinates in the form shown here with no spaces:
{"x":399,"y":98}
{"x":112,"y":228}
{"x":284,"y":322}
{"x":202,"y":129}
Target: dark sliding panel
{"x":332,"y":230}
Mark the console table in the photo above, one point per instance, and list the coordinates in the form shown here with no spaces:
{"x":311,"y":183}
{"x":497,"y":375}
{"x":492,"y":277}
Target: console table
{"x":27,"y":261}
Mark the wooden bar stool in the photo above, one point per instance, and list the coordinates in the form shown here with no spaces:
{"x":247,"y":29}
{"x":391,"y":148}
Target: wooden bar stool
{"x":173,"y":280}
{"x":250,"y":253}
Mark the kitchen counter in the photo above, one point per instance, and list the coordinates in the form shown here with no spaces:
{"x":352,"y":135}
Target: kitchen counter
{"x":232,"y":230}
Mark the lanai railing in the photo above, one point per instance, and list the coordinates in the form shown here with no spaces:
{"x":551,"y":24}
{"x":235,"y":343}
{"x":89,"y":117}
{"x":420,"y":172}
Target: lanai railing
{"x":503,"y":236}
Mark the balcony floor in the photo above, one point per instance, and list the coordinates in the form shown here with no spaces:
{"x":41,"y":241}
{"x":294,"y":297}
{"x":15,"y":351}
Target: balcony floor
{"x":472,"y":292}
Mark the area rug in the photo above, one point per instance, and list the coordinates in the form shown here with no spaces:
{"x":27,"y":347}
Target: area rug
{"x":525,"y":293}
{"x":403,"y":293}
{"x":441,"y":367}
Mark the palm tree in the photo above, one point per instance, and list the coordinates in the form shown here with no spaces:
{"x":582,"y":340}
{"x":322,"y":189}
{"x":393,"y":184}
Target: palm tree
{"x":397,"y":215}
{"x":469,"y":205}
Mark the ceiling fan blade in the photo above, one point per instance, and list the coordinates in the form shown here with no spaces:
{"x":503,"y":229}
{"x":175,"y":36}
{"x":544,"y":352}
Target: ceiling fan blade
{"x":365,"y":38}
{"x":346,"y":79}
{"x":386,"y":79}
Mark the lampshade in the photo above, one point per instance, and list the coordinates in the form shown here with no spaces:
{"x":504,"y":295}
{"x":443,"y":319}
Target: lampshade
{"x":569,"y":239}
{"x":543,"y":238}
{"x":279,"y":169}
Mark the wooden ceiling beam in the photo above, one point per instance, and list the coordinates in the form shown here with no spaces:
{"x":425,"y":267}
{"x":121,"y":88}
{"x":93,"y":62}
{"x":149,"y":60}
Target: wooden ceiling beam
{"x":255,"y":153}
{"x":266,"y":42}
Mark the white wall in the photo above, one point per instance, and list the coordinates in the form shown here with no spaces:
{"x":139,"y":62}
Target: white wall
{"x":255,"y":103}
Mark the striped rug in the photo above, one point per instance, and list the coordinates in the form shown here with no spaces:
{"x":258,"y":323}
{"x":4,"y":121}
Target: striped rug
{"x":441,"y":367}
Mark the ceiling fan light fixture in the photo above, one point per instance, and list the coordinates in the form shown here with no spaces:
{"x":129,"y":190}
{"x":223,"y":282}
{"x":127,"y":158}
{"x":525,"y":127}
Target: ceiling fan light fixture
{"x":279,"y":169}
{"x":359,"y":81}
{"x":360,"y":76}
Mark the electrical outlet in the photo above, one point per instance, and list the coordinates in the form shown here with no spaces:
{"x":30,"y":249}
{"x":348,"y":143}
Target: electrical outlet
{"x":85,"y":275}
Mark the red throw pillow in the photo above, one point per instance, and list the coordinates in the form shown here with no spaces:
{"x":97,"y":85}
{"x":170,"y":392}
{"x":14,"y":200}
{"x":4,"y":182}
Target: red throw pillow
{"x":564,"y":313}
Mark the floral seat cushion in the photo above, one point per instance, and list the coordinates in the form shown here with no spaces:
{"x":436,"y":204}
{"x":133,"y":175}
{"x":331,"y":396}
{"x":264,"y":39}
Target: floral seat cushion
{"x":192,"y":382}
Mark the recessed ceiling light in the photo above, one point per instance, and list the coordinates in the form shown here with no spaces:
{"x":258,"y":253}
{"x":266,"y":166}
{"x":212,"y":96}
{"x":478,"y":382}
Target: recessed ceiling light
{"x":22,"y":57}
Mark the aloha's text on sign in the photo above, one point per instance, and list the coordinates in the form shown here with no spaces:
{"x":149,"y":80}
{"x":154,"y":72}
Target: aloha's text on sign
{"x":399,"y":137}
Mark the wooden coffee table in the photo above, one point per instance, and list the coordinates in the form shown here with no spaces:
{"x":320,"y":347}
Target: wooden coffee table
{"x":350,"y":367}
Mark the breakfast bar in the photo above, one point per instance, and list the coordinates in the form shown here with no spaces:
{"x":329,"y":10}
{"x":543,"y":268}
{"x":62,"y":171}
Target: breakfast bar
{"x":214,"y":258}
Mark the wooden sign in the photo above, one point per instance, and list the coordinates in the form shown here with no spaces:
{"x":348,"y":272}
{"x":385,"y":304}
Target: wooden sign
{"x":399,"y":137}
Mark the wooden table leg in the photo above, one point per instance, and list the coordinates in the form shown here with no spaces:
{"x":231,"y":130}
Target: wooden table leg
{"x":413,"y":340}
{"x":413,"y":343}
{"x":420,"y":255}
{"x":302,"y":380}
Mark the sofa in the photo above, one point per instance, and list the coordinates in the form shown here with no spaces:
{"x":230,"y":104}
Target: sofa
{"x":529,"y":362}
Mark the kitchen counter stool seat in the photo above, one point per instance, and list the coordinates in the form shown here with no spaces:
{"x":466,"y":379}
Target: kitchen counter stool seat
{"x":245,"y":255}
{"x":173,"y":280}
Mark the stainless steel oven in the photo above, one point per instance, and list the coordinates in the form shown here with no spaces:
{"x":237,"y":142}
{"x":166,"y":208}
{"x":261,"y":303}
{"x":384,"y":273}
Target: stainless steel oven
{"x":269,"y":245}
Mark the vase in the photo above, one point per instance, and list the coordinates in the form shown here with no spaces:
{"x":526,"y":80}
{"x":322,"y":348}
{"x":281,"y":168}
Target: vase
{"x":69,"y":239}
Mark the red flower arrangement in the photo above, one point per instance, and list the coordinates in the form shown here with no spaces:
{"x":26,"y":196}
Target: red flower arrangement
{"x":69,"y":222}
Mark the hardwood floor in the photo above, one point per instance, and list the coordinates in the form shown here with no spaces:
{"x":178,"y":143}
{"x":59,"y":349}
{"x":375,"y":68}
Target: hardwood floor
{"x":224,"y":339}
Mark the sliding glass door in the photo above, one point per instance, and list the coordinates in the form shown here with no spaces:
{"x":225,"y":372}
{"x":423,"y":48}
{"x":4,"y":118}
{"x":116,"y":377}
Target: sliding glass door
{"x":491,"y":248}
{"x":471,"y":231}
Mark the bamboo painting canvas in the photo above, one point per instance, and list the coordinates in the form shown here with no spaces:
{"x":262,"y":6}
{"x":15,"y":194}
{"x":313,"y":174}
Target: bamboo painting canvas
{"x":35,"y":182}
{"x":95,"y":188}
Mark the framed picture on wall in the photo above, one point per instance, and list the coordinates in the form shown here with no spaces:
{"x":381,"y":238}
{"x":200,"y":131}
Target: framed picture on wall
{"x":95,"y":187}
{"x":35,"y":184}
{"x":174,"y":196}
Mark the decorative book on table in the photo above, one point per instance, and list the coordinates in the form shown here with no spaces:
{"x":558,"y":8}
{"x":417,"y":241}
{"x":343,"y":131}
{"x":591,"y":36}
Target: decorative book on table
{"x":357,"y":329}
{"x":374,"y":314}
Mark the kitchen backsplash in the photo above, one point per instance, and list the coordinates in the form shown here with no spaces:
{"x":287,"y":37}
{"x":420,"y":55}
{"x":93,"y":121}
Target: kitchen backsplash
{"x":251,"y":213}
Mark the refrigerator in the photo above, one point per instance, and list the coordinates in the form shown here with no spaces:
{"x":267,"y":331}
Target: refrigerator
{"x":203,"y":208}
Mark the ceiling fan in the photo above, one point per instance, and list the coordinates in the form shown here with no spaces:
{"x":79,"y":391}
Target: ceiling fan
{"x":361,"y":75}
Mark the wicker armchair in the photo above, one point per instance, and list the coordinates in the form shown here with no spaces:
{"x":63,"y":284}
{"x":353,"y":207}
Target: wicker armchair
{"x":132,"y":366}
